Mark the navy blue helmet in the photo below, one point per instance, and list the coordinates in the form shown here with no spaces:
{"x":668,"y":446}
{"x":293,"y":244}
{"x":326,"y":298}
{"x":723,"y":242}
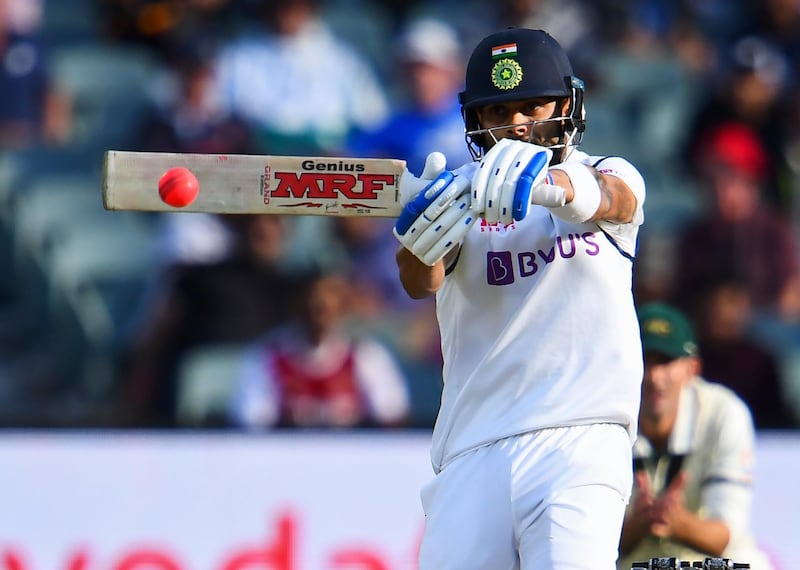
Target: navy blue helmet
{"x":516,"y":64}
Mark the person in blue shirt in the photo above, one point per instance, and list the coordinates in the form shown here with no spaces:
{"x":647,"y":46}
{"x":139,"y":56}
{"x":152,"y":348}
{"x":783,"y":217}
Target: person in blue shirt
{"x":429,"y":53}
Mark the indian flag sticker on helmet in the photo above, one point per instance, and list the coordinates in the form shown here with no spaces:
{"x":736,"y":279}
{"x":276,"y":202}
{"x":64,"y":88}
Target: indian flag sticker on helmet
{"x":504,"y":50}
{"x":506,"y":74}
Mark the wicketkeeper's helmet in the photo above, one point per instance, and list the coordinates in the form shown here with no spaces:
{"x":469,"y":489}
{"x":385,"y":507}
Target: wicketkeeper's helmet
{"x":516,"y":64}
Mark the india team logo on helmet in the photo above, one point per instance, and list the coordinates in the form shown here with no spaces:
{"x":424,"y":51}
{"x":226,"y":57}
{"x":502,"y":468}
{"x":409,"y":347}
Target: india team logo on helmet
{"x":516,"y":64}
{"x":506,"y":72}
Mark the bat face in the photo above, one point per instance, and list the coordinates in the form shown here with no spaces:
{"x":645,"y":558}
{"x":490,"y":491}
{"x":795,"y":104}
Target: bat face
{"x":254,"y":184}
{"x":333,"y":185}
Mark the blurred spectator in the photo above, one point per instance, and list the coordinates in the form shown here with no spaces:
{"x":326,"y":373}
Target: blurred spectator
{"x":32,"y":109}
{"x":741,"y":233}
{"x":573,"y":23}
{"x":732,"y":358}
{"x":428,"y":52}
{"x":296,"y":84}
{"x":643,"y":92}
{"x":778,"y":21}
{"x":750,"y":91}
{"x":187,"y":116}
{"x":231,"y":301}
{"x":719,"y":21}
{"x":782,"y":338}
{"x":159,"y":24}
{"x":363,"y":250}
{"x":191,"y":238}
{"x":429,"y":119}
{"x":366,"y":248}
{"x":313,"y":372}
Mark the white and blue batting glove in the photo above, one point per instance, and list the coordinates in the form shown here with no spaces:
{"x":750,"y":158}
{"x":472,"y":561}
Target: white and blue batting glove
{"x":437,"y":218}
{"x":512,"y":176}
{"x":411,"y":186}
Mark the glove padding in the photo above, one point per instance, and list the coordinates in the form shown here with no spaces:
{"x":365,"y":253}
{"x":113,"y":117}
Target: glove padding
{"x":410,"y":185}
{"x":436,"y":219}
{"x":511,"y":177}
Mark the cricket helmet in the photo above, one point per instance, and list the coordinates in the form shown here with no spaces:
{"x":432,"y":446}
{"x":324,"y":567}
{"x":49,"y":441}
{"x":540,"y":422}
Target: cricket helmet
{"x":518,"y":64}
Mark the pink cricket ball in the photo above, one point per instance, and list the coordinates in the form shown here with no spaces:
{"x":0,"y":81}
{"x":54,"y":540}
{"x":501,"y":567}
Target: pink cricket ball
{"x":178,"y":187}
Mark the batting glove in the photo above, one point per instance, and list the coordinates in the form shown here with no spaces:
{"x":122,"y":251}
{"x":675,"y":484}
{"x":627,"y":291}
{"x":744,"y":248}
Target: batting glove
{"x":410,"y":185}
{"x":512,"y":176}
{"x":437,"y":219}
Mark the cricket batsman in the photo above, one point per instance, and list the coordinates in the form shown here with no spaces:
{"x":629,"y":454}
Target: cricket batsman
{"x":528,"y":251}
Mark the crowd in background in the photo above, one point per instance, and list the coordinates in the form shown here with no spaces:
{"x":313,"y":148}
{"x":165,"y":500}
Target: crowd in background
{"x":131,"y":319}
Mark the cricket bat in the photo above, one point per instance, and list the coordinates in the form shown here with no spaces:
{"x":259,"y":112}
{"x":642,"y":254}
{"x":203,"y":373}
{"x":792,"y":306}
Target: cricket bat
{"x":256,"y":184}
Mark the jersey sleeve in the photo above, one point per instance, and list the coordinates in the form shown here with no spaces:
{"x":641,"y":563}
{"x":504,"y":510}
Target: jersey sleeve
{"x":255,"y":399}
{"x":382,"y":382}
{"x":624,"y":235}
{"x":727,"y":489}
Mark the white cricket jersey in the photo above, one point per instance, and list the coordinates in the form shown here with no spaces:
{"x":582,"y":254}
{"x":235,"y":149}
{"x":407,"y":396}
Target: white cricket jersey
{"x":713,"y":441}
{"x":539,"y":327}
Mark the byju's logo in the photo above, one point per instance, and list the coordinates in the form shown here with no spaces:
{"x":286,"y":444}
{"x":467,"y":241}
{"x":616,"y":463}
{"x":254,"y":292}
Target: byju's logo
{"x":502,"y":266}
{"x":499,"y":268}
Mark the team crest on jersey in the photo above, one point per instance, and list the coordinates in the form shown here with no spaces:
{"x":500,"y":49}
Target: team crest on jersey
{"x":506,"y":73}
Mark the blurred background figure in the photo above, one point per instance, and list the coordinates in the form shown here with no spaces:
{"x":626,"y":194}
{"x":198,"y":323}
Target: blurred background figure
{"x":427,"y":117}
{"x":693,"y":457}
{"x":365,"y":251}
{"x":751,"y":91}
{"x":736,"y":358}
{"x":33,"y":109}
{"x":737,"y":272}
{"x":204,"y":305}
{"x":430,"y":73}
{"x":741,"y":232}
{"x":313,"y":372}
{"x":300,"y":88}
{"x":185,"y":116}
{"x":778,"y":21}
{"x":157,"y":25}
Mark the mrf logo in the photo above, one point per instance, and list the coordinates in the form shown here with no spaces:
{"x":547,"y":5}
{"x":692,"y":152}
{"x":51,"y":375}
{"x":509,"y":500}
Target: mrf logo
{"x":337,"y":181}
